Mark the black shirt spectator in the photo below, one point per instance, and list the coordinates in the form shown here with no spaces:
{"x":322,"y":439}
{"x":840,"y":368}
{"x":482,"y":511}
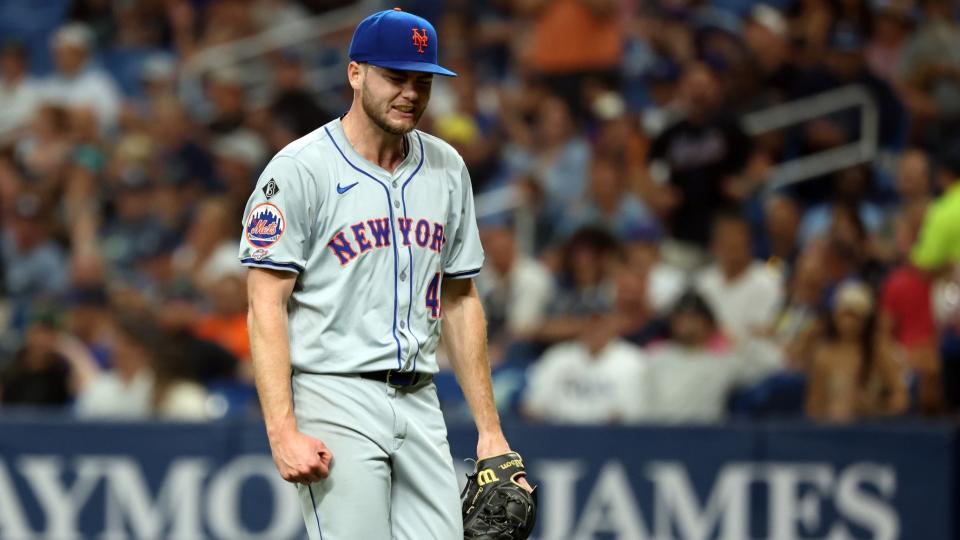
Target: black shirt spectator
{"x":294,"y":106}
{"x":701,"y":153}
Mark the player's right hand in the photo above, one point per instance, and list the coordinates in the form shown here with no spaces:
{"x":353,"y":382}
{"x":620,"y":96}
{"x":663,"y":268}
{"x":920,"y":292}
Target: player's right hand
{"x":300,"y":458}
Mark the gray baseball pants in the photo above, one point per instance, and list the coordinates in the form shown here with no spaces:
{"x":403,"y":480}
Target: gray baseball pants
{"x":392,"y":475}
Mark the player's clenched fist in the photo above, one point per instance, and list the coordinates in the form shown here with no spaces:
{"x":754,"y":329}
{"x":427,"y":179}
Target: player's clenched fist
{"x":300,"y":458}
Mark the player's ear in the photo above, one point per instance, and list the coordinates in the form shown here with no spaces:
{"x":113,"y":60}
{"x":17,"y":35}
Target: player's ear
{"x":355,"y":74}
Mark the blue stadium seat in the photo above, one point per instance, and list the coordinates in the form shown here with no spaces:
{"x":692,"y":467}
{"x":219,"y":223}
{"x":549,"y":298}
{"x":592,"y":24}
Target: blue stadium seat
{"x":32,"y":22}
{"x":780,"y":395}
{"x":239,"y":397}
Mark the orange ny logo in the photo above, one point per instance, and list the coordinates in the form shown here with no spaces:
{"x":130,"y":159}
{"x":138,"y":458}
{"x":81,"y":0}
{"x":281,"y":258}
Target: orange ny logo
{"x":420,"y":39}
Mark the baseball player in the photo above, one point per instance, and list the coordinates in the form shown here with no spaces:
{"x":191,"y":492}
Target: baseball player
{"x":361,"y":241}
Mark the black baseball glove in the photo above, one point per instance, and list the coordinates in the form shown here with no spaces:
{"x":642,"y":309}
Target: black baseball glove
{"x":495,"y":506}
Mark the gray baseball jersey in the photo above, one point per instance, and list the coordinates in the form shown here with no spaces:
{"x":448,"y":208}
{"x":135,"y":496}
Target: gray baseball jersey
{"x":371,"y":248}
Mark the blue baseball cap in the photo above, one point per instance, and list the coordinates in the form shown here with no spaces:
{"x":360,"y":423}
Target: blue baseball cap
{"x":395,"y":39}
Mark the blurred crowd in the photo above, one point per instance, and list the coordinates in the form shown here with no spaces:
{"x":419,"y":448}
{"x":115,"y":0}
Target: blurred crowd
{"x":644,"y":263}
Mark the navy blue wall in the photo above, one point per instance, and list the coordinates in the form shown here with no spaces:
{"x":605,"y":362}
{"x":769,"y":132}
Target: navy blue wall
{"x":62,"y":479}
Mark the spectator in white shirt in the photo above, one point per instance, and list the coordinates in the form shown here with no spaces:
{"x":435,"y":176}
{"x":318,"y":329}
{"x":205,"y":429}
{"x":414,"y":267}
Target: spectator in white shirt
{"x":516,"y":289}
{"x":689,"y":378}
{"x":591,"y":380}
{"x":76,"y":83}
{"x":744,"y":294}
{"x":595,"y":378}
{"x":18,"y":91}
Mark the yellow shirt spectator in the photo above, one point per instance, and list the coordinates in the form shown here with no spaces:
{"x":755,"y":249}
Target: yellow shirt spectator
{"x":939,"y":242}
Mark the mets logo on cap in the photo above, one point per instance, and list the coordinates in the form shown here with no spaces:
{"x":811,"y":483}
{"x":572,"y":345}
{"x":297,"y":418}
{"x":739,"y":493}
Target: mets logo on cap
{"x":265,"y":225}
{"x":420,"y":39}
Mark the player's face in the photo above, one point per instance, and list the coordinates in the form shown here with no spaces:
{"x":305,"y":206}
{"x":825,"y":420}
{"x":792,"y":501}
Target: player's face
{"x":395,"y":100}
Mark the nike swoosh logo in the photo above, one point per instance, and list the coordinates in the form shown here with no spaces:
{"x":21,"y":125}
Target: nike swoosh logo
{"x":342,"y":190}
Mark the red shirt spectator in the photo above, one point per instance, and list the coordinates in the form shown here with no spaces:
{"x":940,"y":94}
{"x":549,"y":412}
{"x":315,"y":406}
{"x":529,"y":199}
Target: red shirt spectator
{"x":906,"y":299}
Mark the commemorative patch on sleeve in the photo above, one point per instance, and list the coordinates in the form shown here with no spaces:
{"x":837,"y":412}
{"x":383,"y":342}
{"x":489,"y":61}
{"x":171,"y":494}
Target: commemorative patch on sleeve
{"x":265,"y":225}
{"x":270,"y":189}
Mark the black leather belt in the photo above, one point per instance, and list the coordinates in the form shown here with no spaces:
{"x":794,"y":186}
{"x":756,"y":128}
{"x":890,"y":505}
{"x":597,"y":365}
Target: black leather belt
{"x":399,"y":379}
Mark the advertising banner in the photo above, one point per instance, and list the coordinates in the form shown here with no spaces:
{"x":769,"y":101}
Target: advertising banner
{"x":61,"y":480}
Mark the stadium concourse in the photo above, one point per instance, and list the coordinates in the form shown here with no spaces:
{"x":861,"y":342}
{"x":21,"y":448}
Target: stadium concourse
{"x":650,"y":265}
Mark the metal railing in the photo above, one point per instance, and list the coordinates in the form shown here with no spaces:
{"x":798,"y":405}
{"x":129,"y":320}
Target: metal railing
{"x":277,"y":38}
{"x":775,"y":118}
{"x":795,"y":112}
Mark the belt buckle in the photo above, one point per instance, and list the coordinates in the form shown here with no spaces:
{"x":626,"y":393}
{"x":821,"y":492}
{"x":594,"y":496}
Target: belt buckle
{"x":390,"y":382}
{"x":413,"y":382}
